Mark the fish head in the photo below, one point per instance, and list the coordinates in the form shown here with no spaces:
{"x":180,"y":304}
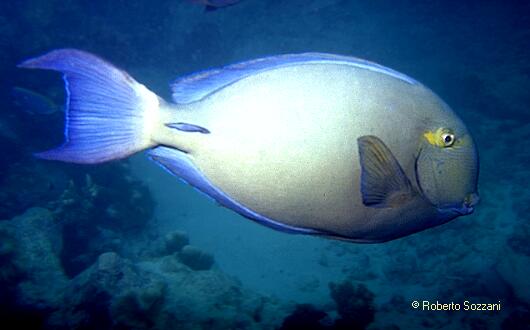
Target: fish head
{"x":447,"y":167}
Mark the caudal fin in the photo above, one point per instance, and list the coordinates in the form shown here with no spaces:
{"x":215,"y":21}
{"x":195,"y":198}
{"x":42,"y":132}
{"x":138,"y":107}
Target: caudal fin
{"x":108,"y":114}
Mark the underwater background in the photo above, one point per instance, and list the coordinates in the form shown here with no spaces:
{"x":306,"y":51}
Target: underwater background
{"x":126,"y":246}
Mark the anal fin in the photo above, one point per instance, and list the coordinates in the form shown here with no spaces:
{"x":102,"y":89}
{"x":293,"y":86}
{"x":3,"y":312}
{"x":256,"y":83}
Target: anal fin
{"x":181,"y":165}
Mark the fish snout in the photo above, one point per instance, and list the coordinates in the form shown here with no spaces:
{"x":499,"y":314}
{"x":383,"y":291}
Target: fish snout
{"x":468,"y":206}
{"x":471,"y":200}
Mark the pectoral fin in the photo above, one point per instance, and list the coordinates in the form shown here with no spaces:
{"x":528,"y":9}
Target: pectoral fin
{"x":383,"y":182}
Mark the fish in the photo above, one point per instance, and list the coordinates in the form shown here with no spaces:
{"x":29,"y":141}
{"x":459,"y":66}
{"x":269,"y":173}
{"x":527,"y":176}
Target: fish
{"x":33,"y":102}
{"x":210,"y":5}
{"x":312,"y":143}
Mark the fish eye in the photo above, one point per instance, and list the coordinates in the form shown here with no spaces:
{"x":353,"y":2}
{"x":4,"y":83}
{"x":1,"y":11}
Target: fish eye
{"x":448,"y":139}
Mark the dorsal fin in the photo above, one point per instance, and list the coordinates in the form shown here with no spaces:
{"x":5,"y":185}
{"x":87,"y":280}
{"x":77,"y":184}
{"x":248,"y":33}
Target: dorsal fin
{"x":197,"y":86}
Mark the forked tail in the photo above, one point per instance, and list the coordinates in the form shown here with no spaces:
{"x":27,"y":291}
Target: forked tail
{"x":108,"y":114}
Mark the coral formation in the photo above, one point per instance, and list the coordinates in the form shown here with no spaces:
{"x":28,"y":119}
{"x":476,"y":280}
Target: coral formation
{"x":30,"y":262}
{"x":175,"y":241}
{"x":90,"y":255}
{"x":355,"y":305}
{"x":95,"y":218}
{"x":195,"y":258}
{"x":305,"y":316}
{"x":118,"y":292}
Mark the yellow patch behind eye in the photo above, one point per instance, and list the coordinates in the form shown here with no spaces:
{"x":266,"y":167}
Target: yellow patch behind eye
{"x":435,"y":138}
{"x":430,"y":137}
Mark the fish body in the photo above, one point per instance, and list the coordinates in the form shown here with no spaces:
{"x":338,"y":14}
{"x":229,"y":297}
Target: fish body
{"x":308,"y":143}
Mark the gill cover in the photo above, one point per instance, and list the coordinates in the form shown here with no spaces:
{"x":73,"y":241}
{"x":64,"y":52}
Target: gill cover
{"x":447,"y":175}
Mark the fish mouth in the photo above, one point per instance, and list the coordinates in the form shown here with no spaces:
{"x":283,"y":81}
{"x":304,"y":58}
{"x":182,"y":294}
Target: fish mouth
{"x":471,"y":200}
{"x":467,"y":207}
{"x":463,"y":210}
{"x":459,"y":211}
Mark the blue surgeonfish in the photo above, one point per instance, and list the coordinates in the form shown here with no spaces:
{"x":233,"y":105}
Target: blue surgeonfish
{"x":308,"y":143}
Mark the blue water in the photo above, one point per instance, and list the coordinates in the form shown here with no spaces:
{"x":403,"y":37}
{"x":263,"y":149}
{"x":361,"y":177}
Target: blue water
{"x":96,"y":247}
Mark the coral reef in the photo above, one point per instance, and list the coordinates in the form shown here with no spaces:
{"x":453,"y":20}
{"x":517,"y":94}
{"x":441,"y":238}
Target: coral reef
{"x":97,"y":207}
{"x":116,"y":292}
{"x":93,"y":234}
{"x":305,"y":316}
{"x":175,"y":241}
{"x":97,"y":214}
{"x":30,"y":265}
{"x":355,"y":305}
{"x":196,"y":259}
{"x":28,"y":183}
